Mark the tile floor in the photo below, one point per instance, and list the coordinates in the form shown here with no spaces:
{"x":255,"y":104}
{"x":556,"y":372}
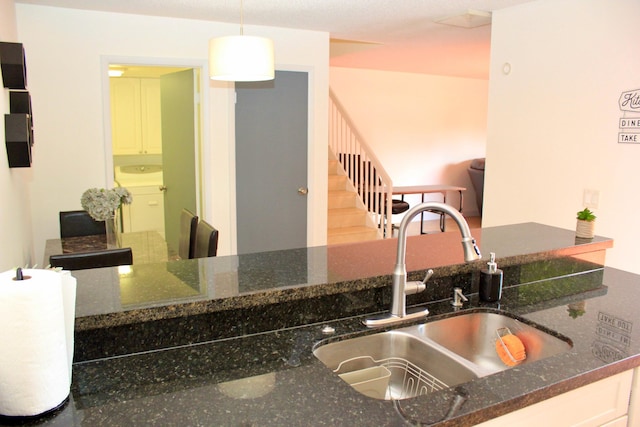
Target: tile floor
{"x":147,"y":247}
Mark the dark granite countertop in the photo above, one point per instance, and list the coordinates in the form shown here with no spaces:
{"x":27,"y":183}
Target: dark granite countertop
{"x":225,"y":361}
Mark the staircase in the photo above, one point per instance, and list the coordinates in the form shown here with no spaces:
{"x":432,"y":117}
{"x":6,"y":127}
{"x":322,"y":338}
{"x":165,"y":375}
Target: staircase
{"x":359,"y":187}
{"x":348,"y":220}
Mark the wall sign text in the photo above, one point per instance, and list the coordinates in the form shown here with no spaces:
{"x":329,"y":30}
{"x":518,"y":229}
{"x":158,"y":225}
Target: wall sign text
{"x":629,"y":124}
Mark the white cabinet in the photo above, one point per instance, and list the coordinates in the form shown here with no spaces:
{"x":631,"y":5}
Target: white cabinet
{"x":634,"y":401}
{"x":603,"y":403}
{"x":146,"y":212}
{"x":135,"y":116}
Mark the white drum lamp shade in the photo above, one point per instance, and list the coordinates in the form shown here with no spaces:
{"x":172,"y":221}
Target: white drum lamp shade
{"x":241,"y":58}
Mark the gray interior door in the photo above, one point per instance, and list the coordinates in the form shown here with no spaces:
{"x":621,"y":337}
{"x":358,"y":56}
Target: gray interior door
{"x":177,"y":97}
{"x":271,"y":163}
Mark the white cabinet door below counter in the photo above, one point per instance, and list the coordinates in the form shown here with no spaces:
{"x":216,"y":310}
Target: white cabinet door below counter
{"x":602,"y":403}
{"x":146,"y":212}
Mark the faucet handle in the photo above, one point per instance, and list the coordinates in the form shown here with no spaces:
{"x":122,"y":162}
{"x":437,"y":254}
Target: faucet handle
{"x":417,"y":287}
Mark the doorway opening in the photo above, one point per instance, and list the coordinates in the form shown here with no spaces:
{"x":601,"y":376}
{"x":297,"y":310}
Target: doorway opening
{"x":156,"y":140}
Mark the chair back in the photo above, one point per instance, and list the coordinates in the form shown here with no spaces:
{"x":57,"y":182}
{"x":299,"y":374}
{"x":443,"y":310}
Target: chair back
{"x":206,"y":240}
{"x":476,"y":174}
{"x":93,"y":259}
{"x":187,"y":239}
{"x":79,"y":223}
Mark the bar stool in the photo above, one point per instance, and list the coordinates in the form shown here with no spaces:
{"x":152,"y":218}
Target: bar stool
{"x":398,"y":206}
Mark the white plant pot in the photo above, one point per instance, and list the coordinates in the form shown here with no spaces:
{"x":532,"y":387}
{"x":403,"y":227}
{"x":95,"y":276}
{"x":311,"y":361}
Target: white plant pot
{"x":585,"y":229}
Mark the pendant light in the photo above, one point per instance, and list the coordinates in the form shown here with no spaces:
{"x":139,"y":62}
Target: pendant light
{"x":241,"y":58}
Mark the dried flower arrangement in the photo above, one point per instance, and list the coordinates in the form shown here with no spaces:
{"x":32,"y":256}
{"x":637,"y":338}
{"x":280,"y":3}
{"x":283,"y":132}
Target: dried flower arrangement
{"x":102,"y":203}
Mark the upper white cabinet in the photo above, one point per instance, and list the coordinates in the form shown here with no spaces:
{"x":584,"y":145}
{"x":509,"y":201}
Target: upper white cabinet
{"x":135,"y":116}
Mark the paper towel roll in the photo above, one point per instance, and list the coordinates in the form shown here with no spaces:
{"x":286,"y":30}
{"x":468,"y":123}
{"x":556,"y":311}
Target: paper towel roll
{"x":36,"y":353}
{"x":69,"y":285}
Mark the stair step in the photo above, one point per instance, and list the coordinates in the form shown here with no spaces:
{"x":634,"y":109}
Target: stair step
{"x":335,"y":168}
{"x":351,"y":234}
{"x":342,"y":199}
{"x":337,"y":182}
{"x":346,"y":217}
{"x":346,"y":221}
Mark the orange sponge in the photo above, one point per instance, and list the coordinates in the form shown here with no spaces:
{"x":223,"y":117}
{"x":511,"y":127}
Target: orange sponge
{"x":515,"y":347}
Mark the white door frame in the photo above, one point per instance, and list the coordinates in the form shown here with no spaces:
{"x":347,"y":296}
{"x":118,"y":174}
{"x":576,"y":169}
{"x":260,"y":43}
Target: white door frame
{"x":202,"y":150}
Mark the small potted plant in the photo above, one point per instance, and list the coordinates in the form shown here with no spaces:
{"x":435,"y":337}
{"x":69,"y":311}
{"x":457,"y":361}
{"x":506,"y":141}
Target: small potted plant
{"x":585,"y":226}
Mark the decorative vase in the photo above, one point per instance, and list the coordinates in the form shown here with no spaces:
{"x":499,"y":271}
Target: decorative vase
{"x":112,"y":233}
{"x":585,"y":229}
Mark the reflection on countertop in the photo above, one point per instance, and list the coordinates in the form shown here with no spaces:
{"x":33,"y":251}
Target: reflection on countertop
{"x":268,"y":277}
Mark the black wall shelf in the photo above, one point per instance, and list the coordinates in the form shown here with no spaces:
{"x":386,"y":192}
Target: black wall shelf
{"x":18,"y":125}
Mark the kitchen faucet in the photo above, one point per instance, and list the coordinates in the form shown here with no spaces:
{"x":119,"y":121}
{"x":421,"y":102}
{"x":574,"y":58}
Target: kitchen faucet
{"x":400,"y":287}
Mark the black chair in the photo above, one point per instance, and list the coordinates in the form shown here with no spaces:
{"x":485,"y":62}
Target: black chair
{"x":187,"y":239}
{"x":398,"y":206}
{"x":206,"y":240}
{"x":476,"y":173}
{"x":79,"y":223}
{"x":94,"y":259}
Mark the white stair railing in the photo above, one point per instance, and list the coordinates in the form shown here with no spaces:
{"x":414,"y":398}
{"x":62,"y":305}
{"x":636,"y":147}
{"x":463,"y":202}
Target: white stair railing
{"x":361,"y":165}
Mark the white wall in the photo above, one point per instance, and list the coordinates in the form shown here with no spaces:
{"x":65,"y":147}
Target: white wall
{"x":553,"y":120}
{"x":16,"y":249}
{"x":425,"y":129}
{"x":65,"y":53}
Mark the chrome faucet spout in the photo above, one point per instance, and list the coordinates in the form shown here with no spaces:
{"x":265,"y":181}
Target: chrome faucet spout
{"x":471,"y":251}
{"x":399,"y":285}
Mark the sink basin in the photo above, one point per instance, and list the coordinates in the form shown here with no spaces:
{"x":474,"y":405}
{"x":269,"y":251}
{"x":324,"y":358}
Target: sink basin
{"x":416,"y":367}
{"x":423,"y":358}
{"x":137,"y":169}
{"x":473,"y":336}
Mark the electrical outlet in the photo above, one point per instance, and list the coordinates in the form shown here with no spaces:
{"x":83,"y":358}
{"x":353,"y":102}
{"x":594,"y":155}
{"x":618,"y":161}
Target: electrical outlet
{"x":591,"y":198}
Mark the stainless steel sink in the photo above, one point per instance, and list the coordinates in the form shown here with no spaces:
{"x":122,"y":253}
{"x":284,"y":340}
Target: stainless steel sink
{"x":473,"y":336}
{"x":423,"y":358}
{"x":415,"y":366}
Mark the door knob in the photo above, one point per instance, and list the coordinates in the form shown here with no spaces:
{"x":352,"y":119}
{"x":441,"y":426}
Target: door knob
{"x":303,"y":191}
{"x":162,"y":188}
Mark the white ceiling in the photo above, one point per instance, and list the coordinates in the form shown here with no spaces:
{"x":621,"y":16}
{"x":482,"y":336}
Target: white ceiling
{"x":393,"y":35}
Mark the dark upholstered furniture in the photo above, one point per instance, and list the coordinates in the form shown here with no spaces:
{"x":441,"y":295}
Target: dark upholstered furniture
{"x":399,"y":206}
{"x":206,"y":240}
{"x":79,"y":223}
{"x":93,"y":259}
{"x":187,"y":241}
{"x":476,"y":173}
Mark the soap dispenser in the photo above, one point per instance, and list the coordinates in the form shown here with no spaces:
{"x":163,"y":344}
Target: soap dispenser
{"x":491,"y":281}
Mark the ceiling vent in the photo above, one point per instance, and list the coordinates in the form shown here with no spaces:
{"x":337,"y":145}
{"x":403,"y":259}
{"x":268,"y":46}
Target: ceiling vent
{"x":471,"y":19}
